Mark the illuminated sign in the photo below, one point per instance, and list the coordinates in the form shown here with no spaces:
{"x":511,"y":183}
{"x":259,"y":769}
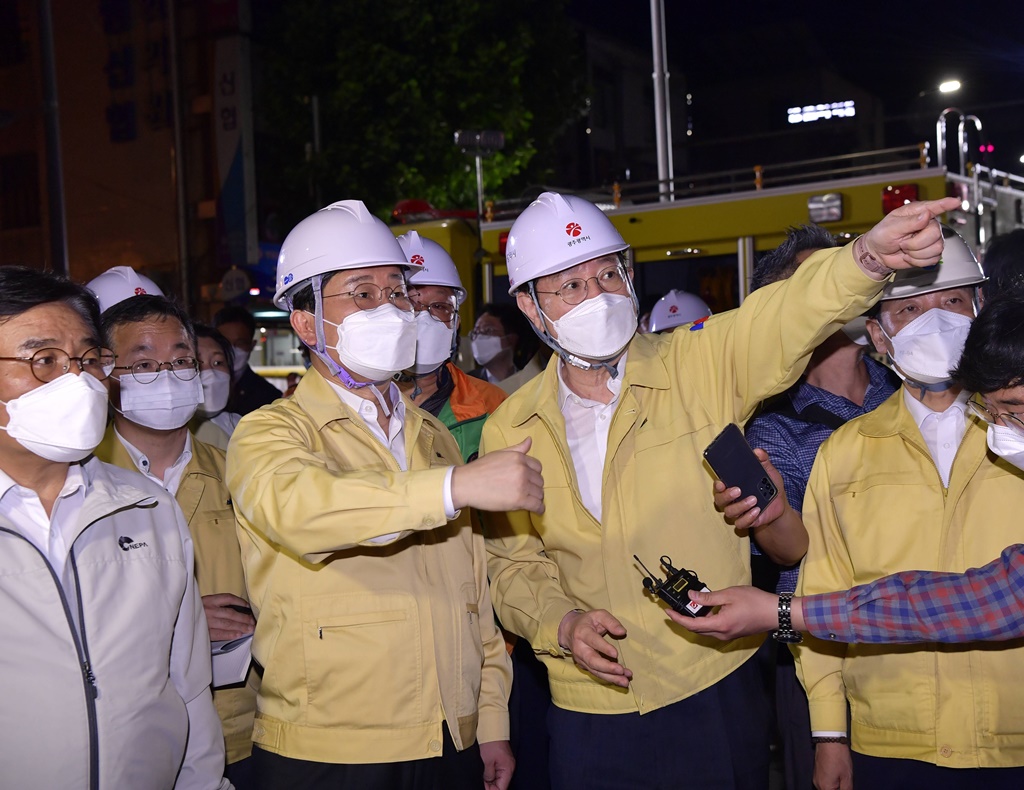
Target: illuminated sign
{"x":821,"y":112}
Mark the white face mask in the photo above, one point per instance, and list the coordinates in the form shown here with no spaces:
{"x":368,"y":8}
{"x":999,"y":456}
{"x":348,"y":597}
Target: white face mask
{"x":433,"y":343}
{"x":1007,"y":443}
{"x":164,"y":404}
{"x":63,"y":420}
{"x":486,"y":348}
{"x":597,"y":328}
{"x":930,"y":346}
{"x":216,"y":391}
{"x":378,"y":343}
{"x":239,"y":361}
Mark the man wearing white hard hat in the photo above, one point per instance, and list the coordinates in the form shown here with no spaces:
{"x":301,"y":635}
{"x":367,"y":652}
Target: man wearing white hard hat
{"x":619,"y":421}
{"x":677,"y":308}
{"x":384,"y":668}
{"x":155,"y":389}
{"x":913,"y":485}
{"x":434,"y":382}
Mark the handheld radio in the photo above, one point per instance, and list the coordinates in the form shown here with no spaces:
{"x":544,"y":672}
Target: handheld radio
{"x":674,"y":589}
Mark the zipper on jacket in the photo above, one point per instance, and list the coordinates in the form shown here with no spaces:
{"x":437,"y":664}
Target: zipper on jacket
{"x":88,"y":678}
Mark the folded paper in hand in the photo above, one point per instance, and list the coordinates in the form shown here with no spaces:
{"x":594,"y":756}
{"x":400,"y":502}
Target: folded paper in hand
{"x":231,"y":659}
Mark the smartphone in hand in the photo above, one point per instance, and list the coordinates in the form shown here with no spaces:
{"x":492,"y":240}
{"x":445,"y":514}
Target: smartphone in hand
{"x":731,"y":458}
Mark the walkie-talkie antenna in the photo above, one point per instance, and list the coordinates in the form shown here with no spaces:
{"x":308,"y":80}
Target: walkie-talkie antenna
{"x":644,"y":567}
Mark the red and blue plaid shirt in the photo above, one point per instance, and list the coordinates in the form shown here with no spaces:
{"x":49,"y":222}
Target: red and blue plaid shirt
{"x":917,"y":606}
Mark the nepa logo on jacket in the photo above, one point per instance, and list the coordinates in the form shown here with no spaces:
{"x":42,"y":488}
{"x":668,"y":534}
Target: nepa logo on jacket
{"x":127,"y":544}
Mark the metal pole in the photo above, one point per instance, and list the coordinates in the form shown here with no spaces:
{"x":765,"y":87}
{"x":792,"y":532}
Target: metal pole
{"x":940,"y":135}
{"x":660,"y":77}
{"x":54,"y":167}
{"x":178,"y":157}
{"x":479,"y":187}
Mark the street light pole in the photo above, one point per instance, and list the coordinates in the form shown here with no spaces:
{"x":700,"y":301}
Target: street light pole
{"x":54,"y":165}
{"x":662,"y":103}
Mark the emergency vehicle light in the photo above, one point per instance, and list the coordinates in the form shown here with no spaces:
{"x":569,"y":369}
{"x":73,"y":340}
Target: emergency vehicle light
{"x":502,"y":242}
{"x":896,"y":195}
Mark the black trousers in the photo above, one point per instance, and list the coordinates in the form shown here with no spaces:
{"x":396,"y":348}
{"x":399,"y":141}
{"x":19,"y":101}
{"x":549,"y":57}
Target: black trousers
{"x":451,"y":771}
{"x":718,"y":739}
{"x":889,"y":773}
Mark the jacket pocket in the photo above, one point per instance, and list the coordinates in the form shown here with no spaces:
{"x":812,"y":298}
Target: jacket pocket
{"x":363,"y":661}
{"x":470,"y":651}
{"x":1000,"y":703}
{"x":891,"y":687}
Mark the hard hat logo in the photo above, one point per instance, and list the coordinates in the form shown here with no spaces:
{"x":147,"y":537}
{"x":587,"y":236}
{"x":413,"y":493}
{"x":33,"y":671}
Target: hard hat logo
{"x":674,"y":309}
{"x":573,"y":229}
{"x":418,"y":260}
{"x":288,"y":278}
{"x":140,"y":291}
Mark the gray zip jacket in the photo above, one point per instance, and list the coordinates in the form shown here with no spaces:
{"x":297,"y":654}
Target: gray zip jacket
{"x":104,"y":675}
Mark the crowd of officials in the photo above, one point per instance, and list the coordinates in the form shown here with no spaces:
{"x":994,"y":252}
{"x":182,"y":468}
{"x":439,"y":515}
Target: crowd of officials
{"x":438,"y":570}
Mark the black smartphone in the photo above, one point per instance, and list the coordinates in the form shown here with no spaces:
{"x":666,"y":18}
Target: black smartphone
{"x":734,"y":462}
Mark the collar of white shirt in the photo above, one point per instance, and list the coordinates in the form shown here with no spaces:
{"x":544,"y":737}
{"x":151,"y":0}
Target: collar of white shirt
{"x":174,"y":473}
{"x":614,"y":387}
{"x":53,"y":534}
{"x":368,"y":408}
{"x":920,"y":412}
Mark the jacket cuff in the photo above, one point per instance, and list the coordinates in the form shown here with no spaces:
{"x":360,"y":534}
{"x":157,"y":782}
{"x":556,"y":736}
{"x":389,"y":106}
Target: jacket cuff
{"x":828,"y":715}
{"x":854,"y":279}
{"x":547,"y":635}
{"x":492,"y":725}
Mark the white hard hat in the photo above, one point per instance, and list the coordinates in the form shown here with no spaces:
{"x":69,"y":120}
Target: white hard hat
{"x":677,"y":308}
{"x":957,"y":268}
{"x":343,"y":235}
{"x":554,"y":233}
{"x":438,"y":266}
{"x":119,"y":283}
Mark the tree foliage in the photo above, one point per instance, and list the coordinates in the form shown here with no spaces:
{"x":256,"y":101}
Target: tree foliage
{"x":395,"y":79}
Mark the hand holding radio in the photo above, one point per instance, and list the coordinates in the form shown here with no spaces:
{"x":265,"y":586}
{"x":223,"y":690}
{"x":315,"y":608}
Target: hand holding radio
{"x":582,"y":634}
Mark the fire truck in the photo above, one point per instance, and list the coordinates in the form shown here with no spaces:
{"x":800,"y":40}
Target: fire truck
{"x":703,"y":233}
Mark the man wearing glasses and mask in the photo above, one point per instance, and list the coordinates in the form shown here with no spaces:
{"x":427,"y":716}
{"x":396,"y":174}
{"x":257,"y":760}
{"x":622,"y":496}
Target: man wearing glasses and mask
{"x":434,"y":383}
{"x":106,"y":656}
{"x":384,"y":668}
{"x":619,"y":421}
{"x":155,"y":390}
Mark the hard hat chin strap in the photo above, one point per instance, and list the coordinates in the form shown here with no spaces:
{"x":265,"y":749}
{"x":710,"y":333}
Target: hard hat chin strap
{"x":568,"y":358}
{"x":321,"y":343}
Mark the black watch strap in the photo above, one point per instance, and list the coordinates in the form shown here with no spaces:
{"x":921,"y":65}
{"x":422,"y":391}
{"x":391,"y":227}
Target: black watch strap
{"x":785,"y":632}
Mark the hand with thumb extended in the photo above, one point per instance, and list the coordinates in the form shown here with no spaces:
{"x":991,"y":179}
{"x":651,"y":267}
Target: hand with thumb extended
{"x":907,"y":237}
{"x":501,"y":480}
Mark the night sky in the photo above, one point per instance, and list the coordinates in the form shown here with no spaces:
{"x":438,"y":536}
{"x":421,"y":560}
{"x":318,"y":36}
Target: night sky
{"x":894,"y":50}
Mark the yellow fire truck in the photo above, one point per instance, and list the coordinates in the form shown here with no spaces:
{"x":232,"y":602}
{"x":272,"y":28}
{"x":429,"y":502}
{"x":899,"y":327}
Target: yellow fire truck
{"x":705,"y":234}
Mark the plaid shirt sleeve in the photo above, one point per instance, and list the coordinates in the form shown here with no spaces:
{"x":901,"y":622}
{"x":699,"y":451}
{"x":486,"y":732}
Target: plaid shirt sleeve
{"x":916,"y":606}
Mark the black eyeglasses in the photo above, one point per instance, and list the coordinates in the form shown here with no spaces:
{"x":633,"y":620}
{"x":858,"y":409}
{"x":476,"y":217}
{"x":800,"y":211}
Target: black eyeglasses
{"x":574,"y":291}
{"x":51,"y":363}
{"x":145,"y":371}
{"x":369,"y":297}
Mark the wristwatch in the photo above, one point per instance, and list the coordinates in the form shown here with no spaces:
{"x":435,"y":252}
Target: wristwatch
{"x":785,"y":632}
